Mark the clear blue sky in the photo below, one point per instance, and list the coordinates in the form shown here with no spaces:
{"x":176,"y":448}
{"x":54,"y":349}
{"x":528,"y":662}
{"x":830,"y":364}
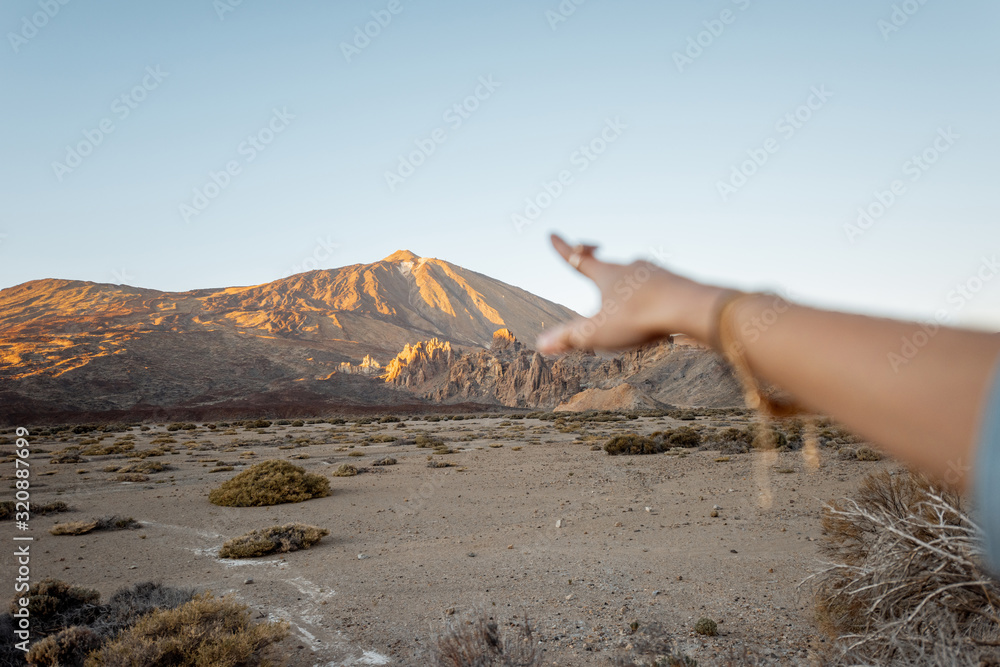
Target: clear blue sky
{"x":682,"y":126}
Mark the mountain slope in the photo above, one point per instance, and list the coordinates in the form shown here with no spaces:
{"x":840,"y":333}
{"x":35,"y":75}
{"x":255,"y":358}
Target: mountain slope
{"x":88,"y":346}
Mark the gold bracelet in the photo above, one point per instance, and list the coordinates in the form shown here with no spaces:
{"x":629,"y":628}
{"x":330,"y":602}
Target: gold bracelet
{"x":721,"y":302}
{"x":734,"y":351}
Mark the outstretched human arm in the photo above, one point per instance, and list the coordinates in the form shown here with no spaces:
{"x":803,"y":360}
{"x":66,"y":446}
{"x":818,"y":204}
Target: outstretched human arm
{"x":923,"y":408}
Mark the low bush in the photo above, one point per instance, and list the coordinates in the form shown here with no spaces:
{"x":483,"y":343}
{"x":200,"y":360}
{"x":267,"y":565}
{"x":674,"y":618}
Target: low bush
{"x":385,"y":461}
{"x":706,"y":626}
{"x":108,"y":450}
{"x":106,"y":523}
{"x":685,"y":437}
{"x":8,"y":509}
{"x":632,"y":443}
{"x":423,"y":440}
{"x":270,"y":483}
{"x":205,"y":631}
{"x":276,"y":539}
{"x":73,"y":528}
{"x":68,"y":648}
{"x":146,"y":467}
{"x":904,"y":582}
{"x":54,"y":604}
{"x":654,"y":646}
{"x":345,"y":470}
{"x":868,"y":454}
{"x":482,"y":642}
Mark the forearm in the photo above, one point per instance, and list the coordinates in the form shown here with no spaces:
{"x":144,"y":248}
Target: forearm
{"x":920,"y":403}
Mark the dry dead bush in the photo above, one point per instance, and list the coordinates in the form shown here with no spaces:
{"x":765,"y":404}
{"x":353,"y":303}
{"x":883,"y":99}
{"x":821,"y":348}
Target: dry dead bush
{"x":110,"y":522}
{"x":205,"y":631}
{"x":7,"y":509}
{"x":67,"y":648}
{"x":146,"y":467}
{"x":119,"y":447}
{"x":480,"y":641}
{"x":276,"y":539}
{"x":904,"y":583}
{"x":345,"y":470}
{"x":73,"y":528}
{"x":131,"y":477}
{"x":632,"y":443}
{"x":270,"y":483}
{"x":653,"y":646}
{"x":54,"y":605}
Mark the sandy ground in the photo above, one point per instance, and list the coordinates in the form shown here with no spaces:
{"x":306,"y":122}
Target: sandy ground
{"x":412,"y":548}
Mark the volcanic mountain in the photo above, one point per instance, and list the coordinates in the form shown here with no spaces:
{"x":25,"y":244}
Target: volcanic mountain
{"x":403,"y":331}
{"x":71,"y":346}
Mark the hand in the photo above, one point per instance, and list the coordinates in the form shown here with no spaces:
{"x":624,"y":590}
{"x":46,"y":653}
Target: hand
{"x":640,"y":303}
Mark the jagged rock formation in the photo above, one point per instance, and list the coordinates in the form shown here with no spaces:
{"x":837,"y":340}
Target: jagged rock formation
{"x":418,"y":363}
{"x":368,"y":366}
{"x":510,"y":374}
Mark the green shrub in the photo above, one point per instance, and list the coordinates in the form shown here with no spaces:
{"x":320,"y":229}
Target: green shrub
{"x":276,"y":539}
{"x":270,"y":483}
{"x":298,"y":422}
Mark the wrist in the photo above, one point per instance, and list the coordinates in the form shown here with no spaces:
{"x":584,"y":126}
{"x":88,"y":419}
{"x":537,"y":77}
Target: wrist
{"x":698,"y":311}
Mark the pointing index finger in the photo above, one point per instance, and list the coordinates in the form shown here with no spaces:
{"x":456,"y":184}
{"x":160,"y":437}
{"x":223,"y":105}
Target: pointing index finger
{"x":580,"y":257}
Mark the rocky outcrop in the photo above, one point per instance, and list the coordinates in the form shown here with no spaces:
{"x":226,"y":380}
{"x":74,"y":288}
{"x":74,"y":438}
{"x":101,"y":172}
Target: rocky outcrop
{"x":419,"y":363}
{"x":368,"y":366}
{"x":622,"y":397}
{"x":510,"y":374}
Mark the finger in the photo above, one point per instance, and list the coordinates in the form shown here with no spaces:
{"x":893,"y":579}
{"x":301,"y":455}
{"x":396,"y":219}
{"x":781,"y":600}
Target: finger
{"x":599,"y":332}
{"x":578,"y":334}
{"x":589,"y":265}
{"x":554,"y":341}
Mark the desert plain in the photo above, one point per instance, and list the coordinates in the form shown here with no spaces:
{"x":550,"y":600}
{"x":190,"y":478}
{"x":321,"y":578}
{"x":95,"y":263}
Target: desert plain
{"x":529,"y":517}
